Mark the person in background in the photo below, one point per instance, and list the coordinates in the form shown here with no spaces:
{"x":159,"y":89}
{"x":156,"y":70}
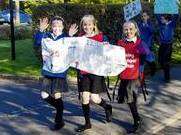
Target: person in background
{"x":167,"y":25}
{"x":146,"y":29}
{"x":146,"y":34}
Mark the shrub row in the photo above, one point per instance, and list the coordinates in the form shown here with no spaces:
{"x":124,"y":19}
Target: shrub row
{"x":21,"y":32}
{"x":110,"y":17}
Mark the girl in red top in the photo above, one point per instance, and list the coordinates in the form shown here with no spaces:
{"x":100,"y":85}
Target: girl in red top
{"x":134,"y":48}
{"x":90,"y":85}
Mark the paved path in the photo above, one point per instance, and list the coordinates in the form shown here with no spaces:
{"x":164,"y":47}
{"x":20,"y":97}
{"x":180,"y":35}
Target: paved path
{"x":22,"y":112}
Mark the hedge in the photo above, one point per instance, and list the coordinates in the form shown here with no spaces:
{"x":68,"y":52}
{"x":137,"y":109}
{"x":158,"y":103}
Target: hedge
{"x":110,"y":17}
{"x":21,"y":32}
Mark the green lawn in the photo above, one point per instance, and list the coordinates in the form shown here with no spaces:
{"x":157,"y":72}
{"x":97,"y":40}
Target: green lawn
{"x":26,"y":64}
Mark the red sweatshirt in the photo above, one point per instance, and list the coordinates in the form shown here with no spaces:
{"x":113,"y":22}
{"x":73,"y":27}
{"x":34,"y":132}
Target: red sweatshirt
{"x":132,"y":58}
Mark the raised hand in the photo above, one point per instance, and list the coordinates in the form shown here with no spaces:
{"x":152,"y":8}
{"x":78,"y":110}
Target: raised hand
{"x":73,"y":29}
{"x":43,"y":24}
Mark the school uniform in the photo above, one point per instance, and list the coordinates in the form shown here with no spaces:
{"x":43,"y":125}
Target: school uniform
{"x":53,"y":82}
{"x":128,"y":87}
{"x":90,"y":82}
{"x":146,"y":34}
{"x":166,"y":36}
{"x":131,"y":73}
{"x":94,"y":84}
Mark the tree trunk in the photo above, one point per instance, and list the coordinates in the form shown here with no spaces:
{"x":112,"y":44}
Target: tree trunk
{"x":17,"y":10}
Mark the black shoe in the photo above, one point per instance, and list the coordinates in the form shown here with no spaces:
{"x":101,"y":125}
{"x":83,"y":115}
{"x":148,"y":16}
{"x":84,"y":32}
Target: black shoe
{"x":137,"y":125}
{"x":57,"y":126}
{"x":167,"y":80}
{"x":83,"y":128}
{"x":108,"y":112}
{"x":120,"y":100}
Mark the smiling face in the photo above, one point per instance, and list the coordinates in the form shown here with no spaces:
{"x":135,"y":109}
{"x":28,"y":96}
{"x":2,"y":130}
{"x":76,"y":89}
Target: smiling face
{"x":57,"y":27}
{"x":88,"y":26}
{"x":129,"y":30}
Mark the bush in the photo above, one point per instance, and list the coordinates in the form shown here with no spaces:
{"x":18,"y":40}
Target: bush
{"x":21,"y":32}
{"x":110,"y":18}
{"x":5,"y":32}
{"x":72,"y":13}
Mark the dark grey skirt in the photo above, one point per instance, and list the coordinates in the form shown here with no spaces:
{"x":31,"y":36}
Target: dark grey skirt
{"x":127,"y":90}
{"x":53,"y":85}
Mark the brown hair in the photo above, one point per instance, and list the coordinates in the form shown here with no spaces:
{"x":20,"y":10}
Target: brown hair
{"x":57,"y":18}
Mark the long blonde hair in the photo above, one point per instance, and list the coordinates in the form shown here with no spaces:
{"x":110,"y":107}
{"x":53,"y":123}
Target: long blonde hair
{"x":90,"y":18}
{"x":136,"y":26}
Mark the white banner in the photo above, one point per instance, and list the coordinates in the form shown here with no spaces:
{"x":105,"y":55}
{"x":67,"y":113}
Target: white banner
{"x":132,"y":9}
{"x":54,"y":54}
{"x":166,"y":6}
{"x":85,"y":54}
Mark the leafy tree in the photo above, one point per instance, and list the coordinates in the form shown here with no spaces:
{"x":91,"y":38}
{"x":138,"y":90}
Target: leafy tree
{"x":3,"y":4}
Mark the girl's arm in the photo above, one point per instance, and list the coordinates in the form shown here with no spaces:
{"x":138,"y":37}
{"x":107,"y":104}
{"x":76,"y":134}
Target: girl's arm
{"x":38,"y":36}
{"x":174,"y":19}
{"x":43,"y":25}
{"x":73,"y":30}
{"x":143,"y":49}
{"x":158,"y":18}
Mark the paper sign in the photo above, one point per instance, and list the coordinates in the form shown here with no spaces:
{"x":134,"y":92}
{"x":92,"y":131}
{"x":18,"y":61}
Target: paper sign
{"x":100,"y":59}
{"x":83,"y":53}
{"x":131,"y":10}
{"x":166,"y":7}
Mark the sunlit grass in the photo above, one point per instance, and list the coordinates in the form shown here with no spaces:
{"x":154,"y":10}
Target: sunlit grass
{"x":25,"y":64}
{"x":176,"y":57}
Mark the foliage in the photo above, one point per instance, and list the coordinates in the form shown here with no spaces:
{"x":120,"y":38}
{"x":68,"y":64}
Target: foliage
{"x":110,"y":16}
{"x":29,"y":5}
{"x":21,"y":32}
{"x":3,"y":4}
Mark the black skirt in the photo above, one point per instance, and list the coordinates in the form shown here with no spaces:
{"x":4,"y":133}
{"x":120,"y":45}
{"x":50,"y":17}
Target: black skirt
{"x":91,"y":83}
